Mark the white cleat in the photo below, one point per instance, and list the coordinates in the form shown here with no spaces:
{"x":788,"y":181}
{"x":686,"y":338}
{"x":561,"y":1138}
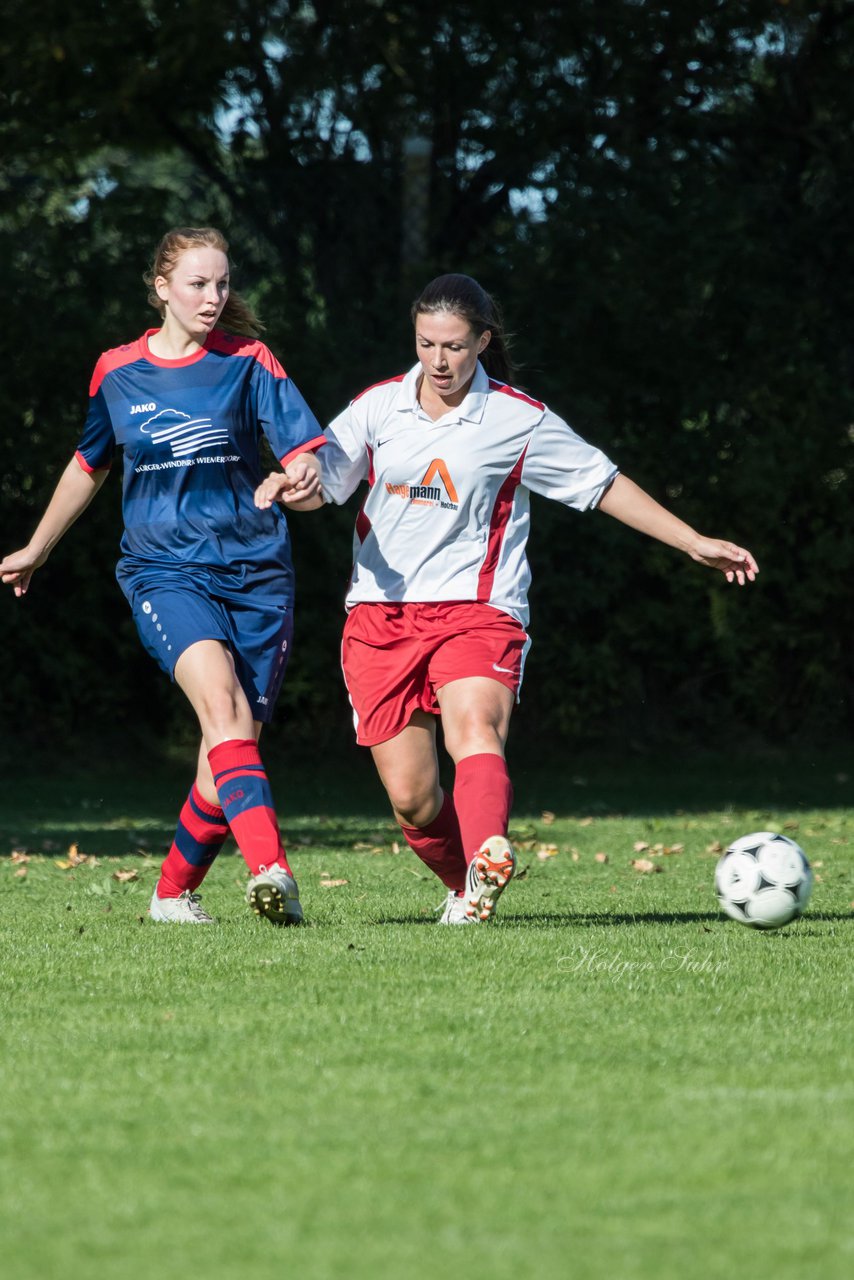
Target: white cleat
{"x":186,"y":909}
{"x":489,"y":874}
{"x":454,"y":910}
{"x":274,"y":895}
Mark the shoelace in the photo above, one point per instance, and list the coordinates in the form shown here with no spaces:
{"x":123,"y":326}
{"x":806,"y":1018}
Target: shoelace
{"x":194,"y":903}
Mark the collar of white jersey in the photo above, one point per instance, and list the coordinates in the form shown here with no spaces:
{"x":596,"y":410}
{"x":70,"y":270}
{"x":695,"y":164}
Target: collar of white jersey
{"x":471,"y":409}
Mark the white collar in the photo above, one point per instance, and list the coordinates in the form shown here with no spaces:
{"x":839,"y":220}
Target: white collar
{"x":472,"y":408}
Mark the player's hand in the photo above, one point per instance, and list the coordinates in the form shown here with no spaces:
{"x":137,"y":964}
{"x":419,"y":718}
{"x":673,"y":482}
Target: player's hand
{"x":304,"y":477}
{"x":17,"y":569}
{"x":271,"y":489}
{"x":735,"y":563}
{"x":297,"y":485}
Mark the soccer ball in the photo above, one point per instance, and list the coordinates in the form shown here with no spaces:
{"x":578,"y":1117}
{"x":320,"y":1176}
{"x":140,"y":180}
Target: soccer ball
{"x":763,"y":880}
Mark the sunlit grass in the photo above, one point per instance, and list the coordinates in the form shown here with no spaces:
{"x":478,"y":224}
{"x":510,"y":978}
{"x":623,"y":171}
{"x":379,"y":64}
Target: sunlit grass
{"x":610,"y":1081}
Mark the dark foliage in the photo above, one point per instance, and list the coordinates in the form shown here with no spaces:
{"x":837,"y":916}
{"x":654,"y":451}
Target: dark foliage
{"x":659,"y":196}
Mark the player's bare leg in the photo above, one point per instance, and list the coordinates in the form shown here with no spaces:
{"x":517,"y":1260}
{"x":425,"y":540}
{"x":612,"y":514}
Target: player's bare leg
{"x":409,"y":770}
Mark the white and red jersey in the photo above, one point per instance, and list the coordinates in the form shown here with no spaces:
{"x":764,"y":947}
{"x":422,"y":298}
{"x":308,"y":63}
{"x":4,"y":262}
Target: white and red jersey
{"x":447,"y":512}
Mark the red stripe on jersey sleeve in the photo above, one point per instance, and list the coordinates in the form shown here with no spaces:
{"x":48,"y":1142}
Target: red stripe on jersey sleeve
{"x":507,"y":390}
{"x":497,"y":528}
{"x":310,"y":446}
{"x":385,"y":383}
{"x":85,"y":465}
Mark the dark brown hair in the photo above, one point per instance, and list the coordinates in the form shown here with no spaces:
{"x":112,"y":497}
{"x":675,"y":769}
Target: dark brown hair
{"x":462,"y":296}
{"x":237,"y":315}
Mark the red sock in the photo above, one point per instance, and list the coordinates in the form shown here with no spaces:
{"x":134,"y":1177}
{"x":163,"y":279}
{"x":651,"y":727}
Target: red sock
{"x":202,"y":831}
{"x":247,"y":801}
{"x":439,"y":846}
{"x":483,"y":798}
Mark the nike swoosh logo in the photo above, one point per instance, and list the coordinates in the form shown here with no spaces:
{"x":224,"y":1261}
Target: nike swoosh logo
{"x":508,"y":671}
{"x":380,"y":443}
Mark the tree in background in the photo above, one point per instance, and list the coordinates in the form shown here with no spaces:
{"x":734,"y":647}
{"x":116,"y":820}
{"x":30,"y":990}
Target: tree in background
{"x":658,"y":194}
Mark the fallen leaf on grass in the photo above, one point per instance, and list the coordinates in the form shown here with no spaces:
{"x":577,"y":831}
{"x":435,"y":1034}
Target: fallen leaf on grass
{"x":585,"y":822}
{"x":18,"y":856}
{"x":21,"y":873}
{"x":601,"y":857}
{"x":76,"y":859}
{"x":662,"y":850}
{"x":546,"y":851}
{"x":645,"y":867}
{"x":640,"y":846}
{"x":124,"y":877}
{"x":547,"y":817}
{"x":332,"y":884}
{"x":715,"y":847}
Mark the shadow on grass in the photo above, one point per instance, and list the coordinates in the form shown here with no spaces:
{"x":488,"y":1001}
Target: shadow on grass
{"x":592,"y":920}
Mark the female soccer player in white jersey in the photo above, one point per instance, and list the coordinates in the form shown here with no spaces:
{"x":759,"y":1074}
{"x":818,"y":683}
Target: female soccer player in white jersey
{"x":207,"y":574}
{"x":437,"y":602}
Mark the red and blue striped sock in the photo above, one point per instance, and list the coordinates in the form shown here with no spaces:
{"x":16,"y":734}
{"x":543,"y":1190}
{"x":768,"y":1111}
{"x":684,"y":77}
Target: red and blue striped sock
{"x":247,"y":800}
{"x":202,"y":831}
{"x":483,"y":798}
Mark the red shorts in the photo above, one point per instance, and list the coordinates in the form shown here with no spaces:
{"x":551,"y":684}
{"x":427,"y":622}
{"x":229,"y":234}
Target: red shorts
{"x":396,"y":656}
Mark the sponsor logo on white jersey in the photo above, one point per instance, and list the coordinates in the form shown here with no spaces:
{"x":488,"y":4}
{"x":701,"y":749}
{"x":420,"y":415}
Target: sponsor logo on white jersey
{"x":426,"y":494}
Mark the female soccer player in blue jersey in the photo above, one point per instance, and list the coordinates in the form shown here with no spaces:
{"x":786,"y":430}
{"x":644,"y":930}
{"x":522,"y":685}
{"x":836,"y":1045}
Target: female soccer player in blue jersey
{"x":208,"y":575}
{"x":437,"y":621}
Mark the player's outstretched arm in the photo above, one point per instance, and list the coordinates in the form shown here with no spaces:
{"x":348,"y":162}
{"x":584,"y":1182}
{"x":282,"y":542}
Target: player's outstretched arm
{"x":71,"y":497}
{"x":298,"y":486}
{"x":627,"y":502}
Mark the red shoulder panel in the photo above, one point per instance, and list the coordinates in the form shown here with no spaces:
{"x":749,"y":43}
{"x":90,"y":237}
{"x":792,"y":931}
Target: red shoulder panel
{"x":108,"y":361}
{"x":234,"y":344}
{"x":507,"y":390}
{"x":385,"y":382}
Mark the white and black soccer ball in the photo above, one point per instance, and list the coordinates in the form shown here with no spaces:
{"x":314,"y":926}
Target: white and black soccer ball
{"x":763,"y":880}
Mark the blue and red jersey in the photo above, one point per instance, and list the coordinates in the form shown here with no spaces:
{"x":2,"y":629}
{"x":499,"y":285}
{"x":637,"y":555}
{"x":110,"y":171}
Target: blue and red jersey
{"x":191,"y":434}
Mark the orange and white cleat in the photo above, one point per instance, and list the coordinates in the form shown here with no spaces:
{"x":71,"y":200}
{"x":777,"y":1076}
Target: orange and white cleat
{"x":489,"y":874}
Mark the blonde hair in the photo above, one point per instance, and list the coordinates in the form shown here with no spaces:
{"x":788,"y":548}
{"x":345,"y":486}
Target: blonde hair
{"x":237,"y":315}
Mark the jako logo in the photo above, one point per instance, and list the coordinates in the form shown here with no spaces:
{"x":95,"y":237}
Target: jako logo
{"x":234,"y":795}
{"x":143,"y":408}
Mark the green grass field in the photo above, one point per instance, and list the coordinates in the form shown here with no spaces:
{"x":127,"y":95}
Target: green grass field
{"x":611,"y":1080}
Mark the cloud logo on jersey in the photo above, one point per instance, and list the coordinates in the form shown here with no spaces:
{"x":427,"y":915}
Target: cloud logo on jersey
{"x":428,"y":493}
{"x":185,"y":435}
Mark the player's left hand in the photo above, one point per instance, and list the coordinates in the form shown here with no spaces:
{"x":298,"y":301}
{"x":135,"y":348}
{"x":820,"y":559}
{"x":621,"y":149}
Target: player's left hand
{"x":735,"y":563}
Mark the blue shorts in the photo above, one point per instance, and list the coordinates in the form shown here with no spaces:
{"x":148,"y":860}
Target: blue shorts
{"x":175,"y":608}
